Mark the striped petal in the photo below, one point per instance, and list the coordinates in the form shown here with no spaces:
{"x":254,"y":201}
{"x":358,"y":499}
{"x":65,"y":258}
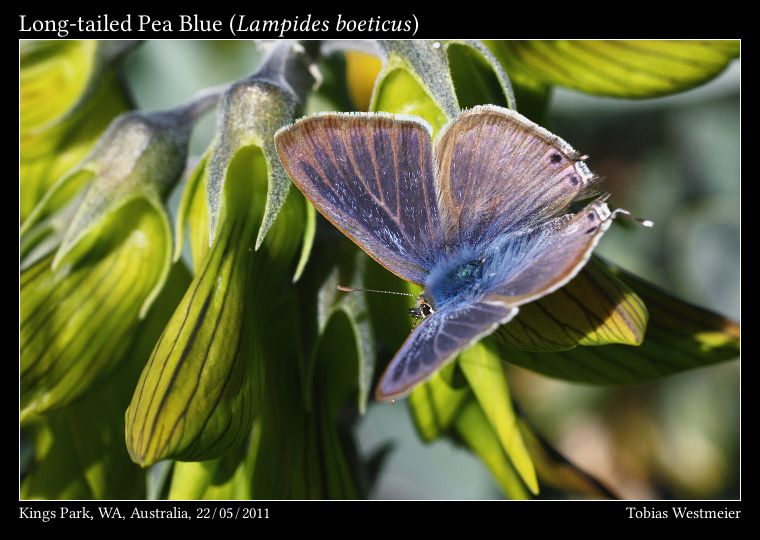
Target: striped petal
{"x":679,"y":336}
{"x":617,"y":68}
{"x":79,"y":449}
{"x":196,"y":397}
{"x":595,"y":308}
{"x":77,"y":320}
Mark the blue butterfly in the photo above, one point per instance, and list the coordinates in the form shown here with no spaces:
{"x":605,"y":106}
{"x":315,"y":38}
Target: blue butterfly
{"x":479,"y":217}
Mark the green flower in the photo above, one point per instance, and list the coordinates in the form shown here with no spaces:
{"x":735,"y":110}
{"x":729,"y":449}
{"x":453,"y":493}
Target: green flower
{"x":78,"y":450}
{"x":249,"y":385}
{"x":95,"y":253}
{"x":69,"y":91}
{"x":198,"y":395}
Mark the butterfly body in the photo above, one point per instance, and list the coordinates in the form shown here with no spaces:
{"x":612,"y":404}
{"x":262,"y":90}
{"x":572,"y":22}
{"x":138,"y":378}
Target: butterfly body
{"x":478,"y":217}
{"x":457,"y":276}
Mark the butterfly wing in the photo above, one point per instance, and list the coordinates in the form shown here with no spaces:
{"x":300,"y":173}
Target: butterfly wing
{"x":372,"y":177}
{"x":546,"y":258}
{"x":437,"y":339}
{"x":540,"y":261}
{"x":500,"y":172}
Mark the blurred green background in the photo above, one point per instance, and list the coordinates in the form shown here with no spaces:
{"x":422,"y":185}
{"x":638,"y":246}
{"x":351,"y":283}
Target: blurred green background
{"x":674,"y":160}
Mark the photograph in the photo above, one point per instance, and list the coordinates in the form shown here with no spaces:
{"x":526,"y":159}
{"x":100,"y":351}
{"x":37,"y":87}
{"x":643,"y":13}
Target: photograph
{"x":379,"y":269}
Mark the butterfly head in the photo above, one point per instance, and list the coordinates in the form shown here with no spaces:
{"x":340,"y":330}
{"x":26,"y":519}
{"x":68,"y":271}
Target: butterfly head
{"x":422,"y":310}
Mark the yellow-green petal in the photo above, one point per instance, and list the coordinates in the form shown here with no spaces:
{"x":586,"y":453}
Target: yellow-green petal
{"x":679,"y":336}
{"x":484,"y":371}
{"x":76,"y":321}
{"x":618,"y":68}
{"x":474,"y":428}
{"x":197,"y":396}
{"x":69,"y":92}
{"x":556,"y":471}
{"x":435,"y":405}
{"x":79,"y":449}
{"x":595,"y":308}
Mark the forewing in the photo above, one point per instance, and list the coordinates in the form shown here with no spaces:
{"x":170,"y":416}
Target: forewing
{"x":499,"y":172}
{"x":372,"y":177}
{"x":437,"y":340}
{"x":547,"y":258}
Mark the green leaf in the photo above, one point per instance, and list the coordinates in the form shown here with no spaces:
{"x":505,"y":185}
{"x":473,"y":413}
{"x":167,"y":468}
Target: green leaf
{"x":193,"y":214}
{"x":475,"y":429}
{"x":415,"y":80}
{"x":158,"y":162}
{"x":299,"y":454}
{"x":336,"y":263}
{"x":595,"y":308}
{"x":330,"y":332}
{"x":477,"y":76}
{"x":96,"y":253}
{"x":141,"y":156}
{"x":80,"y":448}
{"x":281,"y":457}
{"x":434,"y":80}
{"x":310,"y":230}
{"x":45,"y":227}
{"x":40,"y":166}
{"x":617,"y":68}
{"x":556,"y":471}
{"x":686,"y":331}
{"x":53,"y":78}
{"x":485,"y":373}
{"x":207,"y":403}
{"x":399,"y":92}
{"x":679,"y":336}
{"x":435,"y":405}
{"x":57,"y":474}
{"x":57,"y":77}
{"x":338,"y":369}
{"x":355,"y":307}
{"x":453,"y":74}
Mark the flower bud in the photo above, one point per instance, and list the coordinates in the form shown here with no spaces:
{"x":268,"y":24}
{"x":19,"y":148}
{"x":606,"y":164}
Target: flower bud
{"x":69,"y":91}
{"x":198,"y":394}
{"x":95,"y":253}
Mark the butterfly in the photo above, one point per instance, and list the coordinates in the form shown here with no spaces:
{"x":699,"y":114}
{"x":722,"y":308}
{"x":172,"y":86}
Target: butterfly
{"x":479,"y":217}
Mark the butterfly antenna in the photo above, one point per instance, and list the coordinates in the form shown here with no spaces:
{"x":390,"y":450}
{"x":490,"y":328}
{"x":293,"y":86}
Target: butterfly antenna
{"x":351,"y":289}
{"x":642,"y":221}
